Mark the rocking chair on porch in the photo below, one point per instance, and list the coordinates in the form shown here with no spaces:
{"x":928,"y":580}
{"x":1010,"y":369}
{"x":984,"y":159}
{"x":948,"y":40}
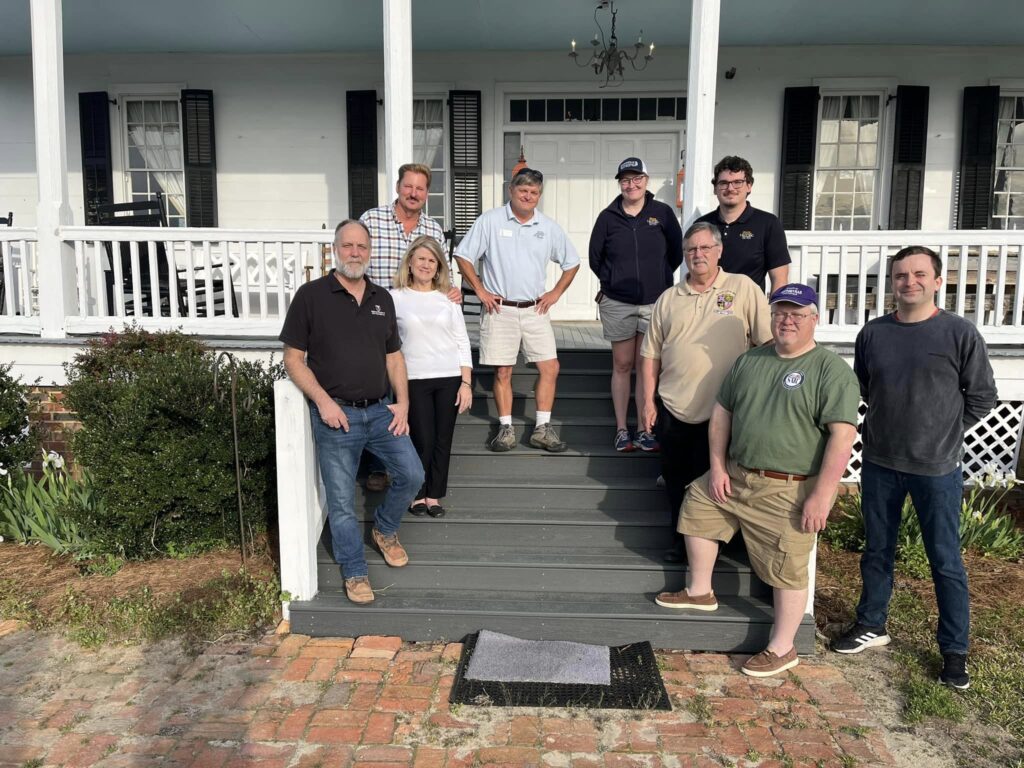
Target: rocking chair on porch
{"x":145,"y":213}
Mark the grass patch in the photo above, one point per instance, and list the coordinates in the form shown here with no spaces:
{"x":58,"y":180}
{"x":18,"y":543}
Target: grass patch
{"x":698,"y":706}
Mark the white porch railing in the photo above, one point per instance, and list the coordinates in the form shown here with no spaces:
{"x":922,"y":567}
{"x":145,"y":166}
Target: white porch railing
{"x":19,"y":305}
{"x":850,"y":271}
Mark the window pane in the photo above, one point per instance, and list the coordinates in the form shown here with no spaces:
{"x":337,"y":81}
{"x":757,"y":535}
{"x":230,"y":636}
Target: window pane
{"x":851,"y":107}
{"x":844,"y":181}
{"x":417,"y":110}
{"x":865,"y":181}
{"x":681,"y":109}
{"x":136,"y":114}
{"x":517,"y":110}
{"x":829,"y":131}
{"x":1002,"y":201}
{"x":862,"y":205}
{"x":139,"y":181}
{"x":556,"y":110}
{"x":847,"y":155}
{"x":170,"y":112}
{"x":869,"y":132}
{"x":866,"y":155}
{"x":823,"y":224}
{"x":829,"y":153}
{"x":172,"y":136}
{"x":869,"y":106}
{"x":435,"y":135}
{"x":862,"y":224}
{"x":830,"y":108}
{"x":591,"y":109}
{"x":848,"y":130}
{"x":629,"y":109}
{"x":536,"y":107}
{"x":574,"y":109}
{"x":153,"y":112}
{"x":433,"y":111}
{"x":823,"y":206}
{"x":666,"y":108}
{"x":648,"y":109}
{"x":437,"y":183}
{"x":610,"y":109}
{"x":135,"y":158}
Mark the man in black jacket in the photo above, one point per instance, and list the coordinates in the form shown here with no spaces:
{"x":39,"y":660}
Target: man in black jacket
{"x":635,"y":248}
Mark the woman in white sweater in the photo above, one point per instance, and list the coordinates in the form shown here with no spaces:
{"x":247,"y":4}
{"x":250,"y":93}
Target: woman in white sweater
{"x":437,"y":356}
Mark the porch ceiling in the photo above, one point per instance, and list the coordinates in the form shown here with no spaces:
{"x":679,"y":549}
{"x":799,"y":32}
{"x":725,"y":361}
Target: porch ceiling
{"x":307,"y":26}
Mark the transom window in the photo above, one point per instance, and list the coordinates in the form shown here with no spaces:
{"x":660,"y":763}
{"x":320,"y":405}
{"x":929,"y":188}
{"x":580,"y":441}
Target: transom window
{"x":847,"y":171}
{"x":153,"y":163}
{"x":1008,"y":208}
{"x":606,"y":110}
{"x":428,"y":149}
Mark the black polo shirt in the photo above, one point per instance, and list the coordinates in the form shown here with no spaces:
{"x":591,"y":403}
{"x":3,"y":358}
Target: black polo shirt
{"x":751,"y":245}
{"x":345,"y":343}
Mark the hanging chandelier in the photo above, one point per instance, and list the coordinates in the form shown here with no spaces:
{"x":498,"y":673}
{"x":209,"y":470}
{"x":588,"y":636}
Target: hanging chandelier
{"x":607,"y":58}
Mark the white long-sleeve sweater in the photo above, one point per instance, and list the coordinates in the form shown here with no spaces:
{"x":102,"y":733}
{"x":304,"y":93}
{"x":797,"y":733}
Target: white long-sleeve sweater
{"x":434,"y":339}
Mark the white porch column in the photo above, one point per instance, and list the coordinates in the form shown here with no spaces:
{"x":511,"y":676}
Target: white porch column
{"x":700,"y":108}
{"x":397,"y":89}
{"x":56,"y":271}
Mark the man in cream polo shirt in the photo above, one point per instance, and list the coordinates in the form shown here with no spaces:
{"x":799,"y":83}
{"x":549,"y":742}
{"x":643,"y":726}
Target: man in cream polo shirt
{"x":504,"y":257}
{"x":698,"y":329}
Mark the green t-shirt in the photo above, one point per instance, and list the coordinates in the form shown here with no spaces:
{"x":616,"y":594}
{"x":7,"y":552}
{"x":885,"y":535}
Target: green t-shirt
{"x":781,"y":407}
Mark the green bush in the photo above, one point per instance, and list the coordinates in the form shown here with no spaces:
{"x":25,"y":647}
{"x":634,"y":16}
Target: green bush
{"x":159,"y":443}
{"x":44,"y":509}
{"x":18,"y":439}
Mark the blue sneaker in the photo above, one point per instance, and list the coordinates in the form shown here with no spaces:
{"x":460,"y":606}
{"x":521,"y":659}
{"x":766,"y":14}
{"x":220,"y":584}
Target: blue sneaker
{"x":623,"y":442}
{"x":646,"y":441}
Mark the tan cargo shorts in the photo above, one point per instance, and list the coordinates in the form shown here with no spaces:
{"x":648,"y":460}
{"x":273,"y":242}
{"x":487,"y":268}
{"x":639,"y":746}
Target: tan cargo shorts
{"x":502,"y":333}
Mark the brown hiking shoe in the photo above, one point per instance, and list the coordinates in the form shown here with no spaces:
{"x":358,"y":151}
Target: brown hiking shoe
{"x":378,"y":481}
{"x":766,"y":663}
{"x":544,"y":436}
{"x":358,"y":590}
{"x":389,"y":546}
{"x":683,"y":599}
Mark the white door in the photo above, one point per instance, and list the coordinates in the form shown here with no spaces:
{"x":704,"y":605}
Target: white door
{"x":579,"y":171}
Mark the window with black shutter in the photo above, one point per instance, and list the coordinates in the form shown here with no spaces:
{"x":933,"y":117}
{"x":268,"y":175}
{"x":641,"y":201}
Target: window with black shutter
{"x":977,"y":157}
{"x":466,"y":167}
{"x":908,"y":157}
{"x":200,"y":157}
{"x":361,"y":120}
{"x":97,"y":177}
{"x":799,"y":136}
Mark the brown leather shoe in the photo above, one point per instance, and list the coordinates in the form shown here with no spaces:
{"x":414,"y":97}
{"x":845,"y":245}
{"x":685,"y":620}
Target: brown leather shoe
{"x":358,"y":590}
{"x":392,"y":549}
{"x":377,"y":481}
{"x":683,"y":599}
{"x":766,"y":663}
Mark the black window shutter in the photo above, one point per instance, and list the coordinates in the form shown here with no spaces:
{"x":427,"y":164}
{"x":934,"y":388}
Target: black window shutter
{"x":466,"y":166}
{"x":799,"y":139}
{"x":910,"y":144}
{"x":361,"y":117}
{"x":97,"y":179}
{"x":977,"y":157}
{"x":200,"y":157}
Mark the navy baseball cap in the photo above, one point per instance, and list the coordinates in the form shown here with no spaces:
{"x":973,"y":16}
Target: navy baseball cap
{"x":631,"y":165}
{"x":795,"y":293}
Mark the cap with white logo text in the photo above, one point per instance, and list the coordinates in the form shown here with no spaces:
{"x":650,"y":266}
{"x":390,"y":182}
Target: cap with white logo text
{"x":795,"y":293}
{"x":631,"y":165}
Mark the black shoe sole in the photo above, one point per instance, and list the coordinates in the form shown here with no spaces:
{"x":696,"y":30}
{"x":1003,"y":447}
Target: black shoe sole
{"x":951,"y":684}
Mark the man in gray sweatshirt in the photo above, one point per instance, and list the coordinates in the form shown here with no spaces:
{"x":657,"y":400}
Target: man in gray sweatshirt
{"x":926,"y":378}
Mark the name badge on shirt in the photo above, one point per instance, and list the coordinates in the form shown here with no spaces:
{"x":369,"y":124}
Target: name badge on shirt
{"x":507,"y":233}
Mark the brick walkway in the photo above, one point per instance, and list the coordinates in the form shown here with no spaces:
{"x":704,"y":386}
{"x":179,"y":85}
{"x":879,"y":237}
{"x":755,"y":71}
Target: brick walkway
{"x":374,"y":702}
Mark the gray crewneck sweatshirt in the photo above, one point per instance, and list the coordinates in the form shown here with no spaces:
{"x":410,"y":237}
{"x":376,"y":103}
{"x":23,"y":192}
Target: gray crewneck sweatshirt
{"x":924,"y":383}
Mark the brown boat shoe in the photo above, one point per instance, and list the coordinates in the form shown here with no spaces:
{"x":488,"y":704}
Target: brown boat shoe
{"x":358,"y":590}
{"x":683,"y":599}
{"x":392,"y":549}
{"x":766,"y":663}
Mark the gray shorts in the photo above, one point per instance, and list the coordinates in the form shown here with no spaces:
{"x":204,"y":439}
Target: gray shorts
{"x":621,"y":321}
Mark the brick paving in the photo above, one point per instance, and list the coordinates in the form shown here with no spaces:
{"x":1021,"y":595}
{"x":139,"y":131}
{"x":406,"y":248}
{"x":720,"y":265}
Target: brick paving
{"x":375,"y":702}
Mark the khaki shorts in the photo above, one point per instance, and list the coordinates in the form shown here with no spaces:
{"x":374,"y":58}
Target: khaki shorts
{"x":621,"y":321}
{"x":502,"y":333}
{"x":769,"y":513}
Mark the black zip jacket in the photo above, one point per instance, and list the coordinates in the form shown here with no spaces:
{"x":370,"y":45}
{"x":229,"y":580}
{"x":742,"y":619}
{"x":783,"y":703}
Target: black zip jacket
{"x":635,"y":257}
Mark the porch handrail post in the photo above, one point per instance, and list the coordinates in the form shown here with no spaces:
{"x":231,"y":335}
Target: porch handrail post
{"x":54,"y":259}
{"x":701,"y":81}
{"x":397,"y":89}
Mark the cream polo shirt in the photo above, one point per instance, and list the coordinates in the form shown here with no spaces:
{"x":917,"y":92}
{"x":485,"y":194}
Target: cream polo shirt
{"x":698,"y":336}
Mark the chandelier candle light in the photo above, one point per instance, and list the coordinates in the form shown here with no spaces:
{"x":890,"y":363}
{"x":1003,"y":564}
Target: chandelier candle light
{"x":607,"y":58}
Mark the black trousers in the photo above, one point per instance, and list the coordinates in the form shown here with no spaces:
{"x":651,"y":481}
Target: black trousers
{"x":432,"y":414}
{"x":685,"y":456}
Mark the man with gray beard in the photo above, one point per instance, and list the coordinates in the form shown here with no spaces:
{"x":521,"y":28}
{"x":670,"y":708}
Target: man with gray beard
{"x":342,"y":348}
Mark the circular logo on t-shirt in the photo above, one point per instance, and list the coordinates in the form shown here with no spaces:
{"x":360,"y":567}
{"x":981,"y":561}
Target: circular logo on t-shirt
{"x":793,"y":380}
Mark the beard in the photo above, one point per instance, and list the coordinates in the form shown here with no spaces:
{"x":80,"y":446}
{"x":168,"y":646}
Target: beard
{"x":353,"y":270}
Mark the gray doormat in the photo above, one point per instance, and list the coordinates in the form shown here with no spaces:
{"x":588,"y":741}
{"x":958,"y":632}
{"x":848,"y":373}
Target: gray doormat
{"x":508,"y":659}
{"x":634,"y":683}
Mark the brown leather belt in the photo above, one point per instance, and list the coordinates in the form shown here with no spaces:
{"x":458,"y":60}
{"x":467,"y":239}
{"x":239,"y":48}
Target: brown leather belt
{"x":776,"y":475}
{"x":516,"y":304}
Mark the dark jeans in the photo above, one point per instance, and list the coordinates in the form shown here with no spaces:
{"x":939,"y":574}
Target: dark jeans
{"x":937,"y":501}
{"x":432,"y":414}
{"x":684,"y":456}
{"x":338,"y":454}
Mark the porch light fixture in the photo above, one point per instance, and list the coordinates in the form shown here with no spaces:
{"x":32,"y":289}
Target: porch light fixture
{"x":606,"y":57}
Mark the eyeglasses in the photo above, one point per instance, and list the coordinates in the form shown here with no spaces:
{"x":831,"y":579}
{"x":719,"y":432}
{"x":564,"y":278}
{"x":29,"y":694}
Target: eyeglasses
{"x":796,"y":317}
{"x":529,"y":173}
{"x":704,"y":250}
{"x":734,"y":184}
{"x":631,"y":181}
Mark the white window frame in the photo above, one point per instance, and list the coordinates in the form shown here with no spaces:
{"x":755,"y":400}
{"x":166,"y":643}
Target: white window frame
{"x":445,"y":150}
{"x":1016,"y":93}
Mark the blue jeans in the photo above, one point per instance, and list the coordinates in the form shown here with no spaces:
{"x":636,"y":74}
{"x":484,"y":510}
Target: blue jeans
{"x":338,"y":454}
{"x":937,"y":501}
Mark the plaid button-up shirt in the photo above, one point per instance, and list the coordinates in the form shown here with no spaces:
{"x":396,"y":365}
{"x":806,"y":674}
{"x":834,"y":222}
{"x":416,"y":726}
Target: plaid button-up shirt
{"x":389,"y":241}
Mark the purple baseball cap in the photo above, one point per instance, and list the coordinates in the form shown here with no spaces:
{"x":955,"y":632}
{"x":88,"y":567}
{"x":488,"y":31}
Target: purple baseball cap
{"x":795,"y":293}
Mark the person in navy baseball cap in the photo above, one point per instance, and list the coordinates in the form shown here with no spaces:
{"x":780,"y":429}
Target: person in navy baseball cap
{"x":795,"y":293}
{"x":632,"y":165}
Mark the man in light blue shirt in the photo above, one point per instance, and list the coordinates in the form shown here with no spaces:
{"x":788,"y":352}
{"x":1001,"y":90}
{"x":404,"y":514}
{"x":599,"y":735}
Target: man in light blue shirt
{"x":514,"y":244}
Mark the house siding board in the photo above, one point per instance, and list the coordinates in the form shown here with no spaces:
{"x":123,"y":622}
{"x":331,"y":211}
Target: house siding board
{"x":200,"y":155}
{"x":909,"y":152}
{"x":466,"y":159}
{"x":94,"y":129}
{"x":977,"y":157}
{"x":799,"y":139}
{"x":361,"y":111}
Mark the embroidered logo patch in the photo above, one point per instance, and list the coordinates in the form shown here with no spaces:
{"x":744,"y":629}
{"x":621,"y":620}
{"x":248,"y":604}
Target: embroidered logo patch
{"x":377,"y":311}
{"x":793,"y":380}
{"x":539,"y":234}
{"x":746,"y":234}
{"x":724,"y":300}
{"x":652,"y":221}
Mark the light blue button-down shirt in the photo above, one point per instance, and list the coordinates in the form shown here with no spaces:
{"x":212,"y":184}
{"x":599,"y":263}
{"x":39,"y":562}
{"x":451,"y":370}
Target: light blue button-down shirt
{"x":515,"y":255}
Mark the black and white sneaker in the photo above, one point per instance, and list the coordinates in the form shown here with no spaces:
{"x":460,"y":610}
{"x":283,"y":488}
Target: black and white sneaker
{"x":954,"y":671}
{"x":859,"y":638}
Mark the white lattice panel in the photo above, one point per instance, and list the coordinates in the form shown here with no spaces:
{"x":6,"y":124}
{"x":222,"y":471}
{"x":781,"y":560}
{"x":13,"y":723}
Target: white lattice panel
{"x":994,"y":442}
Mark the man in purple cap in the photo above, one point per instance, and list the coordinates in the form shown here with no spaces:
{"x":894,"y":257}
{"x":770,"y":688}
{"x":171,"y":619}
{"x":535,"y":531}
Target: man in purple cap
{"x":780,"y":435}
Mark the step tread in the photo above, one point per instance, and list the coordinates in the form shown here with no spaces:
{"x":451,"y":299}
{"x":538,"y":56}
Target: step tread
{"x":585,"y":450}
{"x":498,"y":514}
{"x":580,"y":482}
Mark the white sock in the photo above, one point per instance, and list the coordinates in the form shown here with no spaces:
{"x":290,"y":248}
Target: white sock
{"x":543,"y":417}
{"x":505,"y":421}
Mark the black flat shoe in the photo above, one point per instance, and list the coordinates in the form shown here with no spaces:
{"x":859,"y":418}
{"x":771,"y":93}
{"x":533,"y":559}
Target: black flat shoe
{"x":436,"y":511}
{"x":419,"y":510}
